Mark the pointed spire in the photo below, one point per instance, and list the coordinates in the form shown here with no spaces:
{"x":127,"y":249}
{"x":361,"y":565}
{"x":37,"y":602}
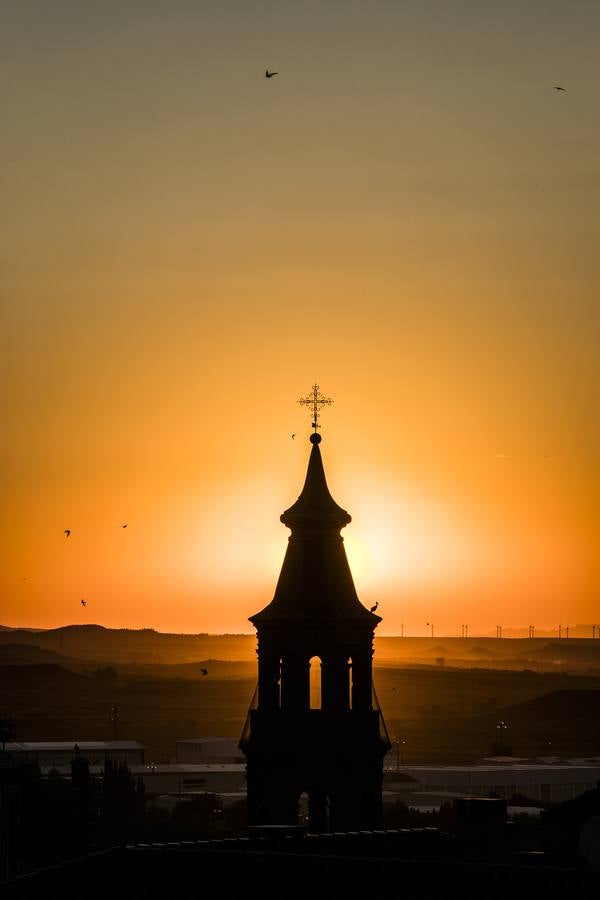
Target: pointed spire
{"x":315,"y":580}
{"x":315,"y":507}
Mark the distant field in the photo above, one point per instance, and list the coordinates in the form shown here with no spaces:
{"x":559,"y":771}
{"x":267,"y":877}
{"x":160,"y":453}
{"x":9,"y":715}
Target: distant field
{"x":451,"y":715}
{"x":443,"y":697}
{"x":443,"y":714}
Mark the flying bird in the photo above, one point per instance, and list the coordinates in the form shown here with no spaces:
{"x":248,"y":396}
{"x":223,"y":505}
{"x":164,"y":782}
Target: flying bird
{"x":270,"y":74}
{"x":557,"y":87}
{"x":204,"y":671}
{"x":124,"y":526}
{"x":83,"y":602}
{"x":293,"y":436}
{"x":67,"y":532}
{"x":373,"y":608}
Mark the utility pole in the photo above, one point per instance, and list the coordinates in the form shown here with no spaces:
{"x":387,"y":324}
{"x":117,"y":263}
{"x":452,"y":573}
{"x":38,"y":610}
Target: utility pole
{"x":431,"y":626}
{"x":399,"y":744}
{"x":402,"y":631}
{"x":559,"y":632}
{"x":114,"y":718}
{"x":567,"y":632}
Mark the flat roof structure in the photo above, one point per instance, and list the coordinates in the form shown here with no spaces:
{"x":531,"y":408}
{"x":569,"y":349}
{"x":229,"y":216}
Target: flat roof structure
{"x":41,"y":746}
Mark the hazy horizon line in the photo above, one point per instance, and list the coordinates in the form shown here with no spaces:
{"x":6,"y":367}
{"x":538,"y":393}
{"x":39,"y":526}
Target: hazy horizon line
{"x":507,"y":631}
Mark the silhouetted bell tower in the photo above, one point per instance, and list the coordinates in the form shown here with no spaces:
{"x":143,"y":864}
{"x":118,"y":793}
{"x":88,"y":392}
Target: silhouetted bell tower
{"x":315,"y":728}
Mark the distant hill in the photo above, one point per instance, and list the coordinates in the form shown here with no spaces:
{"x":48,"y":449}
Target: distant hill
{"x":112,"y":645}
{"x":10,"y":628}
{"x":30,"y":654}
{"x":434,"y":651}
{"x":557,"y":705}
{"x":47,"y":674}
{"x":571,"y":649}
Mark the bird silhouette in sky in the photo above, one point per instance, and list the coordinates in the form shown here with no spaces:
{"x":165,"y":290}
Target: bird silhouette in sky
{"x":83,"y":602}
{"x":204,"y":671}
{"x":124,"y":526}
{"x":67,"y":532}
{"x":373,"y":608}
{"x":270,"y":74}
{"x":557,"y":87}
{"x":293,"y":436}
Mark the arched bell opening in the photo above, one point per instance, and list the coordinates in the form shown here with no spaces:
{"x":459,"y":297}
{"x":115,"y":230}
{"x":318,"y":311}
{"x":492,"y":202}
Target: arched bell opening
{"x":303,"y":809}
{"x":314,"y":810}
{"x":315,"y":675}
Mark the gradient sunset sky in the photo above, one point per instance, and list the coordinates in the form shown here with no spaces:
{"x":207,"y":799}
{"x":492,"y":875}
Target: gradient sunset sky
{"x":408,"y":214}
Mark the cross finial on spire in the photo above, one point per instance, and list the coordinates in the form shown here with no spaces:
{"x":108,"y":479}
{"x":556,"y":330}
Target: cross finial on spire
{"x":315,"y":399}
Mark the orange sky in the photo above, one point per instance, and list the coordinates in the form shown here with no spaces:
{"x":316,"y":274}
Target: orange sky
{"x":408,"y":214}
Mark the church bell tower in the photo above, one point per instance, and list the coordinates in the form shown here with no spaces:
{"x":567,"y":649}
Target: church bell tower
{"x":315,"y":729}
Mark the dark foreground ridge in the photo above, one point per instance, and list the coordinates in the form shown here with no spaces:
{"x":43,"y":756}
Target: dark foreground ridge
{"x":351,"y":866}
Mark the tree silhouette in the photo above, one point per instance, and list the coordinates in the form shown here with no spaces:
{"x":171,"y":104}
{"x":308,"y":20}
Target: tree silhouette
{"x":8,"y":730}
{"x":122,"y":805}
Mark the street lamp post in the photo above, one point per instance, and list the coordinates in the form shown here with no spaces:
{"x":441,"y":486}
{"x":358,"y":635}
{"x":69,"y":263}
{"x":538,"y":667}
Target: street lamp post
{"x":399,"y":743}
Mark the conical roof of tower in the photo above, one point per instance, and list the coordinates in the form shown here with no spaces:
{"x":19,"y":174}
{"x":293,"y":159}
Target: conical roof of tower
{"x":315,"y":582}
{"x":315,"y":507}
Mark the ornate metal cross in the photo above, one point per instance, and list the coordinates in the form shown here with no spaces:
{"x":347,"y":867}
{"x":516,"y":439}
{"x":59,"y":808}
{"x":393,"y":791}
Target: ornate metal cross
{"x":315,"y":399}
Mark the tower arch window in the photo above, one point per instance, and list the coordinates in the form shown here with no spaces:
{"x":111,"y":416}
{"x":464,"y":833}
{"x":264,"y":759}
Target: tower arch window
{"x":303,"y":808}
{"x":315,"y":682}
{"x":314,"y":810}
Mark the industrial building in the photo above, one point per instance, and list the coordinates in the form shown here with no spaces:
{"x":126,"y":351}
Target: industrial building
{"x":208,"y":750}
{"x":178,"y":778}
{"x":54,"y":754}
{"x":544,"y":782}
{"x":419,"y":786}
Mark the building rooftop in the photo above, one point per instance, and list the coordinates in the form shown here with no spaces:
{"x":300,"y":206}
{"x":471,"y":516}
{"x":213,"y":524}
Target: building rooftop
{"x":566,"y":765}
{"x":172,"y":768}
{"x":33,"y":746}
